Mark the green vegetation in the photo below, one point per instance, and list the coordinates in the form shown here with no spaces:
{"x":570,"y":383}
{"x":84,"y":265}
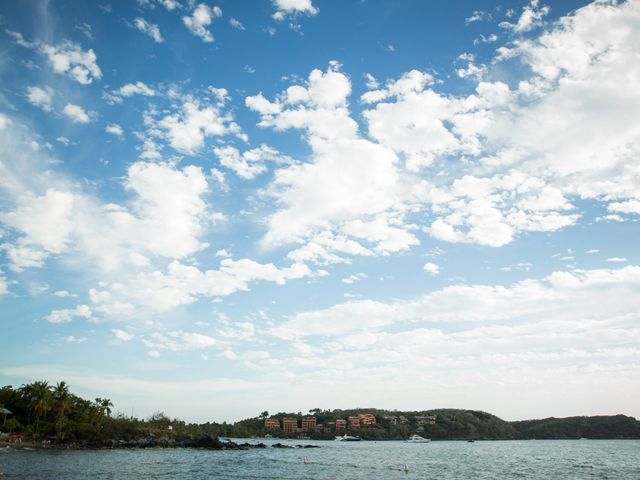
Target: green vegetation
{"x":612,"y":426}
{"x":42,"y":411}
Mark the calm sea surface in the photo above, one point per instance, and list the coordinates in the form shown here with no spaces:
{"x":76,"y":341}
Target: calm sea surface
{"x":536,"y":459}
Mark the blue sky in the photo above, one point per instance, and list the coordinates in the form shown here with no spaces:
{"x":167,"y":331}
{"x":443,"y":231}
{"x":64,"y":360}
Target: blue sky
{"x":213,"y":209}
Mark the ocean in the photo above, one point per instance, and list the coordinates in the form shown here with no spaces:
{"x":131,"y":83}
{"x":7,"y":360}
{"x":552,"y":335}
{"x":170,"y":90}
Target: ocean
{"x":533,"y":459}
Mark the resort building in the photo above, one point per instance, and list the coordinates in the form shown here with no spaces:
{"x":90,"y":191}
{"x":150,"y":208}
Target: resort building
{"x":308,"y":423}
{"x":319,"y":428}
{"x":290,"y":425}
{"x":341,"y":424}
{"x":271,"y":423}
{"x":391,"y":419}
{"x":354,"y":422}
{"x":426,"y":420}
{"x":403,"y":420}
{"x":367,"y":419}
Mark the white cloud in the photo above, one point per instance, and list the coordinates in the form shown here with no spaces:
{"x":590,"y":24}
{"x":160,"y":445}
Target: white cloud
{"x":128,"y":90}
{"x":579,"y":295}
{"x":153,"y":353}
{"x":46,"y":224}
{"x":617,"y":260}
{"x":319,"y":199}
{"x":431,"y":268}
{"x":63,"y":294}
{"x":356,"y":277}
{"x":236,"y":24}
{"x":200,"y":19}
{"x":531,"y":17}
{"x":114,"y":129}
{"x":187,"y":129}
{"x":4,"y":285}
{"x":184,"y":284}
{"x":251,"y":163}
{"x":69,"y":59}
{"x":293,"y":7}
{"x":76,"y":113}
{"x":629,"y":206}
{"x":40,"y":97}
{"x":477,"y":16}
{"x":122,"y":335}
{"x":150,"y":29}
{"x":68,"y":314}
{"x":74,"y":339}
{"x":179,"y":341}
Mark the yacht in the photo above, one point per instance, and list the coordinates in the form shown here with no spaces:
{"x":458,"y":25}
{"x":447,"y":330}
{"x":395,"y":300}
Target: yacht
{"x":347,"y":438}
{"x":417,"y":439}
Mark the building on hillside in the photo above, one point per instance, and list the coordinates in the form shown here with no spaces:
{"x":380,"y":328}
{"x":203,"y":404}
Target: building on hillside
{"x":289,"y":425}
{"x":367,"y":419}
{"x":426,"y":420}
{"x":330,"y":425}
{"x":271,"y":423}
{"x":341,"y":424}
{"x":354,"y":422}
{"x":308,"y":423}
{"x":403,"y":420}
{"x":391,"y":419}
{"x":319,"y":428}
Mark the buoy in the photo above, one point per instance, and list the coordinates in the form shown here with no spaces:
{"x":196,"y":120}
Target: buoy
{"x":306,"y":460}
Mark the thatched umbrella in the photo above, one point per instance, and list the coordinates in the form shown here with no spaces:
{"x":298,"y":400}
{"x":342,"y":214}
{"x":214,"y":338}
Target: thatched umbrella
{"x":5,"y":412}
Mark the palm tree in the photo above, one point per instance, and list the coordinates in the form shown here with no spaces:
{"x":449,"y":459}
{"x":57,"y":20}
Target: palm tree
{"x":102,"y":408}
{"x":40,"y":400}
{"x":62,"y":398}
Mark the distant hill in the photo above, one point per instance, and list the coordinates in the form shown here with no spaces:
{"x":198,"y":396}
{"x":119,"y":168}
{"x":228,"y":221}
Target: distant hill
{"x":606,"y":426}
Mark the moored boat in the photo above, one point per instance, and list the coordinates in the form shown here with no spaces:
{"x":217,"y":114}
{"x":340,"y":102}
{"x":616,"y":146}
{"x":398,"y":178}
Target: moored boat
{"x":417,"y":439}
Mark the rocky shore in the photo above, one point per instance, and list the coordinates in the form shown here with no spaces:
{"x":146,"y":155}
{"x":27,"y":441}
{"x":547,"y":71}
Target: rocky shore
{"x":206,"y":442}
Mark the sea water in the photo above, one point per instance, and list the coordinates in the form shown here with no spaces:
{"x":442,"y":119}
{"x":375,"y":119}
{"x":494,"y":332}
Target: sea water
{"x":533,"y":459}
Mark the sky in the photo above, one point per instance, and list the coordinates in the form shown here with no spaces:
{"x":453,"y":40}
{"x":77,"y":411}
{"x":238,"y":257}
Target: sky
{"x":215,"y":209}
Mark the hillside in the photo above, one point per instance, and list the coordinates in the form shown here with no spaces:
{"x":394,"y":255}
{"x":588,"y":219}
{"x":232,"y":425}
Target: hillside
{"x":610,"y":426}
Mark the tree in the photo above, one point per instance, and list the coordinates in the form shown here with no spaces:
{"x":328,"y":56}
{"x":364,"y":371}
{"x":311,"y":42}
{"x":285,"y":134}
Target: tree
{"x":264,"y":414}
{"x":103,"y":405}
{"x":40,"y":400}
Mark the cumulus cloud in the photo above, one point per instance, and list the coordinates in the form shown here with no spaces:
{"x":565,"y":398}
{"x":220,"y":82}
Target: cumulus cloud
{"x":186,"y":129}
{"x":114,"y":129}
{"x":150,"y":29}
{"x":531,"y":17}
{"x":76,"y":113}
{"x":200,"y":19}
{"x":293,"y":7}
{"x":40,"y":97}
{"x":68,"y":314}
{"x":431,"y":268}
{"x":318,"y":199}
{"x":70,"y":60}
{"x":122,"y":335}
{"x":251,"y":163}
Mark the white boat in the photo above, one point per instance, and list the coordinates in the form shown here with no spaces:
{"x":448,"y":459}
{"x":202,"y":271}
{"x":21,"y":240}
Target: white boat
{"x":347,"y":438}
{"x":417,"y":439}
